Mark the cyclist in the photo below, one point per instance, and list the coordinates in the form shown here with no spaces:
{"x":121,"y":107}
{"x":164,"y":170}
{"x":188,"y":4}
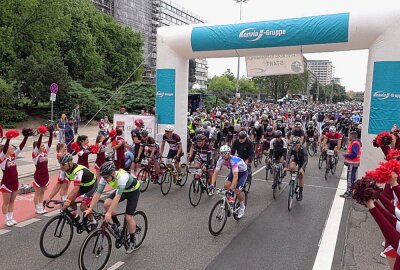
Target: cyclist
{"x":278,"y":150}
{"x":268,"y":136}
{"x":84,"y":184}
{"x":135,"y":134}
{"x":311,"y":132}
{"x":201,"y":155}
{"x":126,"y":187}
{"x":297,"y":159}
{"x":149,"y":148}
{"x":257,"y":134}
{"x":237,"y":175}
{"x":297,"y":132}
{"x":175,"y":147}
{"x":244,"y":149}
{"x":332,"y":140}
{"x":228,"y":131}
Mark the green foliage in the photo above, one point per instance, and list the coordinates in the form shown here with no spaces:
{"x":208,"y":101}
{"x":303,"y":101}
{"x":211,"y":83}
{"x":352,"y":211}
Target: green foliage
{"x":141,"y":97}
{"x":247,"y":86}
{"x":221,"y":85}
{"x":211,"y":101}
{"x":8,"y":105}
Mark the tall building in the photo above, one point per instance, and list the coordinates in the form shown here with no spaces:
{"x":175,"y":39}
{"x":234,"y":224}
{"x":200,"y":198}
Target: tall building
{"x":323,"y":69}
{"x":145,"y":16}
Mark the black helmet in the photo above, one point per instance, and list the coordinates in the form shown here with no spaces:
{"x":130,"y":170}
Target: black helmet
{"x":107,"y":168}
{"x":144,"y":133}
{"x":67,"y":157}
{"x":242,"y":134}
{"x":200,"y":137}
{"x":278,"y":134}
{"x":199,"y":131}
{"x":269,"y":129}
{"x":296,"y":140}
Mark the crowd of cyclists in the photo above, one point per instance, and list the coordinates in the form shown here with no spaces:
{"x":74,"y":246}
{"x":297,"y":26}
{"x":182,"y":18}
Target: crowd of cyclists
{"x":236,"y":136}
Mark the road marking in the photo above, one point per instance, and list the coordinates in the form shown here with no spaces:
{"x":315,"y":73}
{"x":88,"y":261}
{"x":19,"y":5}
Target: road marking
{"x":316,"y":186}
{"x":330,"y":232}
{"x":52,"y":213}
{"x":4,"y":231}
{"x":27,"y":222}
{"x":259,"y":170}
{"x":116,"y":265}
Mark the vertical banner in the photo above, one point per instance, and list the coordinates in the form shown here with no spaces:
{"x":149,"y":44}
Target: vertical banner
{"x":165,"y":96}
{"x":127,"y":122}
{"x":385,"y":97}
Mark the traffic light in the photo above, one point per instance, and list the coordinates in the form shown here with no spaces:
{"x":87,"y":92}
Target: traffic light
{"x":192,"y":70}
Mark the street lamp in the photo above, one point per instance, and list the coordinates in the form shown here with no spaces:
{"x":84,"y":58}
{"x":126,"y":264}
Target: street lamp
{"x":238,"y":65}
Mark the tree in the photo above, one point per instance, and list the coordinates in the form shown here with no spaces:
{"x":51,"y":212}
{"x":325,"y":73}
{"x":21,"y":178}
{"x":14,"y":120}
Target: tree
{"x":247,"y":86}
{"x":220,"y":85}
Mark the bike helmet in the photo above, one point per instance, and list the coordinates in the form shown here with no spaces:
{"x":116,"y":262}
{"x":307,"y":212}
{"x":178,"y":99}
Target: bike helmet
{"x":257,"y":124}
{"x":107,"y":168}
{"x":199,"y":131}
{"x":200,"y":137}
{"x":297,"y":125}
{"x":169,"y":128}
{"x":236,"y":127}
{"x":332,"y":129}
{"x":278,"y":134}
{"x":139,"y":123}
{"x":314,"y":118}
{"x":67,"y":157}
{"x":242,"y":134}
{"x":311,"y":123}
{"x":225,"y":149}
{"x":269,"y":129}
{"x":296,"y":140}
{"x":144,"y":133}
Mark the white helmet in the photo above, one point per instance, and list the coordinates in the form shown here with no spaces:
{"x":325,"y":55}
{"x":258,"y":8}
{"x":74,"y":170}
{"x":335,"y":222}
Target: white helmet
{"x":225,"y":149}
{"x":169,"y":128}
{"x":257,"y":124}
{"x":332,"y":129}
{"x":236,"y":127}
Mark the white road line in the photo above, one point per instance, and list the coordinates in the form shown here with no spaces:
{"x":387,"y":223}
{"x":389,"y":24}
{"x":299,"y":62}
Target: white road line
{"x":27,"y":222}
{"x":316,"y":186}
{"x":4,"y":231}
{"x":330,"y":233}
{"x":52,"y":213}
{"x":259,"y":170}
{"x":116,"y":265}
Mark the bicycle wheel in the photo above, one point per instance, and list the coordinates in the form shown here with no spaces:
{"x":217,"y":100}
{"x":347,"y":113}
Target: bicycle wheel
{"x":141,"y":227}
{"x":185,"y":174}
{"x":218,"y":215}
{"x":166,"y":182}
{"x":237,"y":205}
{"x":334,"y":165}
{"x":314,"y":148}
{"x":247,"y":184}
{"x":266,"y":171}
{"x":320,"y":161}
{"x":309,"y":150}
{"x":195,"y":192}
{"x":56,"y":236}
{"x":291,"y":193}
{"x":95,"y":250}
{"x":255,"y":162}
{"x":275,"y":185}
{"x":144,"y":177}
{"x":328,"y":166}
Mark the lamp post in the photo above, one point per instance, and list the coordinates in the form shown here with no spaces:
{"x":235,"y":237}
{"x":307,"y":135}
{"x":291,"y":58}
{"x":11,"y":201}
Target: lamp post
{"x":238,"y":62}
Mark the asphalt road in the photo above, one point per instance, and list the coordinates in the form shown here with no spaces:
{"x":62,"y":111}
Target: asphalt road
{"x":268,"y":237}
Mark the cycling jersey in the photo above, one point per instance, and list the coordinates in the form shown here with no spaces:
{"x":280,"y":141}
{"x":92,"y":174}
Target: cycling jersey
{"x":244,"y":150}
{"x":298,"y":133}
{"x":310,"y":132}
{"x":299,"y":156}
{"x":80,"y":175}
{"x":123,"y":182}
{"x":234,"y":163}
{"x":333,"y":138}
{"x":174,"y":141}
{"x":278,"y":148}
{"x":258,"y":134}
{"x":202,"y":153}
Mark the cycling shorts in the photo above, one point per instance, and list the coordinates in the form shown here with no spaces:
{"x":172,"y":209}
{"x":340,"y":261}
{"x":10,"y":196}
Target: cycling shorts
{"x":132,"y":200}
{"x":87,"y":193}
{"x":242,"y":177}
{"x":172,"y":154}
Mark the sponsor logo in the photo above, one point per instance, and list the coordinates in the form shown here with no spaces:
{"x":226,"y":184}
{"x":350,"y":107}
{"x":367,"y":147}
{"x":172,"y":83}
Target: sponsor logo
{"x":164,"y":94}
{"x":252,"y":34}
{"x":382,"y":95}
{"x":296,"y":66}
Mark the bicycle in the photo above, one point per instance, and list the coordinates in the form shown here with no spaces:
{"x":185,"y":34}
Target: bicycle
{"x":321,"y":159}
{"x":311,"y":147}
{"x":278,"y":175}
{"x":199,"y":185}
{"x":257,"y":155}
{"x":147,"y":173}
{"x":63,"y":230}
{"x":171,"y":175}
{"x":330,"y":164}
{"x":293,"y":188}
{"x":222,"y":210}
{"x":96,"y":248}
{"x":268,"y":167}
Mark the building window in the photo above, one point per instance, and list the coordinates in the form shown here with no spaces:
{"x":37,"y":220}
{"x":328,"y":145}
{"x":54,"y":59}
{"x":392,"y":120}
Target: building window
{"x":163,"y":4}
{"x":168,"y":7}
{"x":173,"y":20}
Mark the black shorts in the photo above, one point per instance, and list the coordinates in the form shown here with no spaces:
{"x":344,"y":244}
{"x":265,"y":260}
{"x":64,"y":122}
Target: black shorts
{"x":132,"y":200}
{"x":136,"y":153}
{"x":172,"y":154}
{"x":87,"y":193}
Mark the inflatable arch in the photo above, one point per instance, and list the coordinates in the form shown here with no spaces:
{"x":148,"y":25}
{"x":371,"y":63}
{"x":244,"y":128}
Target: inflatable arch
{"x":379,"y":32}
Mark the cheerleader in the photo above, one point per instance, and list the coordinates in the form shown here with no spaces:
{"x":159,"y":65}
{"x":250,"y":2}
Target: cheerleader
{"x":41,"y":175}
{"x":81,"y":147}
{"x":100,"y":149}
{"x":9,"y":183}
{"x":61,"y":150}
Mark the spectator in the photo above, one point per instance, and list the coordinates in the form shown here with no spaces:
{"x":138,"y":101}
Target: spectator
{"x":69,"y":134}
{"x":61,"y":123}
{"x":352,"y":160}
{"x":119,"y":149}
{"x":76,"y":115}
{"x":106,"y":123}
{"x":122,"y":110}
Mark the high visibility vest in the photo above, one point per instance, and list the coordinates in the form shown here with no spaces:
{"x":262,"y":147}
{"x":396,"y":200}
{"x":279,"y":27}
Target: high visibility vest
{"x":114,"y":183}
{"x":353,"y":161}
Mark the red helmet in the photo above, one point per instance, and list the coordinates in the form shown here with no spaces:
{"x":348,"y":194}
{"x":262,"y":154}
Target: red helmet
{"x":139,"y":123}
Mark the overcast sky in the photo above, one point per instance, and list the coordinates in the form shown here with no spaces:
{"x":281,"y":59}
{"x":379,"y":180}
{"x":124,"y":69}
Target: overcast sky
{"x":350,"y":66}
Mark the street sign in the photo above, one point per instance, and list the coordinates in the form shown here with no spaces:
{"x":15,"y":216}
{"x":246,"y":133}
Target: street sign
{"x":53,"y":96}
{"x":54,"y":88}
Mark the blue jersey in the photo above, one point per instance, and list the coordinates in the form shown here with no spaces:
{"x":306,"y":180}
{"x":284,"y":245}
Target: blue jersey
{"x":235,"y":164}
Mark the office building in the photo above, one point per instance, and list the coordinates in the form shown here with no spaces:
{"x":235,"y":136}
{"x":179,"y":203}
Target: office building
{"x":145,"y":17}
{"x":323,"y":69}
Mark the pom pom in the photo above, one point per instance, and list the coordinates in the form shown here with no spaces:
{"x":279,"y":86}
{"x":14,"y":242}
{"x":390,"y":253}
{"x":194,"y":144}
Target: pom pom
{"x":27,"y":132}
{"x":94,"y":148}
{"x":375,"y":143}
{"x":384,"y":138}
{"x":13,"y":133}
{"x":42,"y":129}
{"x":75,"y":146}
{"x":112,"y":133}
{"x":366,"y":189}
{"x":393,"y":154}
{"x":383,"y":173}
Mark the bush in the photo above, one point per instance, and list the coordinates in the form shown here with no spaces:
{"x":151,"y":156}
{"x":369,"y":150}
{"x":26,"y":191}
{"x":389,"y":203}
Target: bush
{"x":138,"y":96}
{"x":11,"y":115}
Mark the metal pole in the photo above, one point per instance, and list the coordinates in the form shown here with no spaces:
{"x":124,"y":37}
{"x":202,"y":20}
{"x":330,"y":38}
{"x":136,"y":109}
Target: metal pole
{"x":52,"y":111}
{"x":317,"y":90}
{"x":331,"y":92}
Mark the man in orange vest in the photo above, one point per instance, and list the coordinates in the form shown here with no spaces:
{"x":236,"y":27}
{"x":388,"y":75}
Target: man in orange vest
{"x":352,"y":160}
